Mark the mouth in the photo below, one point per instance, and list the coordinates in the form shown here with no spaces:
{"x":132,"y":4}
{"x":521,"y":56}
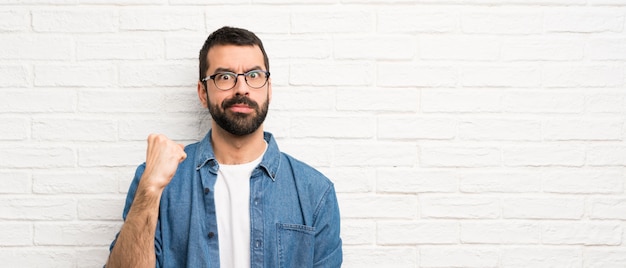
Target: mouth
{"x":240,"y":108}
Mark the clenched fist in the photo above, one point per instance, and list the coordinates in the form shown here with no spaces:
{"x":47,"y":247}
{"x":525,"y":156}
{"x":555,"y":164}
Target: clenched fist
{"x":162,"y":158}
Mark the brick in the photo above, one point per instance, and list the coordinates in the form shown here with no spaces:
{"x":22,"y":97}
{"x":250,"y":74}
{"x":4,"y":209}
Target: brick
{"x":378,"y":47}
{"x":410,"y":180}
{"x":500,"y":21}
{"x":606,"y":102}
{"x":607,"y":49}
{"x":15,"y":182}
{"x":184,"y":100}
{"x":378,"y":154}
{"x":458,"y":256}
{"x":14,"y":20}
{"x":612,"y":208}
{"x":120,"y":101}
{"x":543,"y":102}
{"x":599,"y":129}
{"x":333,"y":127}
{"x":75,"y":20}
{"x":276,"y":122}
{"x":358,"y":232}
{"x":407,"y":75}
{"x":15,"y":76}
{"x":37,"y":257}
{"x":510,"y":75}
{"x":123,"y":2}
{"x":75,"y":182}
{"x":460,"y":100}
{"x":37,"y":208}
{"x":155,"y":75}
{"x":582,"y":233}
{"x":378,"y":99}
{"x":500,"y":181}
{"x":584,"y":182}
{"x":401,"y":127}
{"x":606,"y":155}
{"x":483,"y":129}
{"x":379,"y":257}
{"x":568,"y":76}
{"x":91,"y":257}
{"x":547,"y":207}
{"x":542,"y":49}
{"x":459,"y":156}
{"x":16,"y":234}
{"x":37,"y":157}
{"x":608,"y":2}
{"x":175,"y":128}
{"x":183,"y":47}
{"x":583,"y":21}
{"x":302,"y":99}
{"x":332,"y":74}
{"x":352,"y":179}
{"x":422,"y":20}
{"x":81,"y":129}
{"x":420,"y":232}
{"x":36,"y":47}
{"x":500,"y":232}
{"x":280,"y":74}
{"x":111,"y":155}
{"x":544,"y":155}
{"x":294,"y":47}
{"x":38,"y":101}
{"x":459,"y":207}
{"x":331,"y":21}
{"x":75,"y":75}
{"x":604,"y":257}
{"x":158,"y":19}
{"x":258,"y":19}
{"x":295,"y":1}
{"x":120,"y":48}
{"x":204,"y":2}
{"x":378,"y":206}
{"x":15,"y":129}
{"x":100,"y":208}
{"x":75,"y":234}
{"x":541,"y":256}
{"x":443,"y":47}
{"x":315,"y":153}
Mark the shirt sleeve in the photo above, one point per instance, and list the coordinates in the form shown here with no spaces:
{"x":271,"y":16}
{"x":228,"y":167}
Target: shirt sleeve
{"x":328,"y":251}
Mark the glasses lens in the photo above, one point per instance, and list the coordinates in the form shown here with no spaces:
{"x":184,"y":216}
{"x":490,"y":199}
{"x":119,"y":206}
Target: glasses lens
{"x":225,"y":80}
{"x":256,"y":78}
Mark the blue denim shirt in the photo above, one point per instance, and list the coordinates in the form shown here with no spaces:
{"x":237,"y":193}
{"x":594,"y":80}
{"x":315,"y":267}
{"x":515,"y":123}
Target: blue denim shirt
{"x":294,"y":215}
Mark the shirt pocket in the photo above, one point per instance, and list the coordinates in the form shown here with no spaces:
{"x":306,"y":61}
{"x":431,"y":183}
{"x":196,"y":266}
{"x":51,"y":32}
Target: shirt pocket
{"x":296,"y":245}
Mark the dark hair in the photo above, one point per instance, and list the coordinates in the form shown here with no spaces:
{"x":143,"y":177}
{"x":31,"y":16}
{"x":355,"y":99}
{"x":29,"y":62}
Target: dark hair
{"x":229,"y":36}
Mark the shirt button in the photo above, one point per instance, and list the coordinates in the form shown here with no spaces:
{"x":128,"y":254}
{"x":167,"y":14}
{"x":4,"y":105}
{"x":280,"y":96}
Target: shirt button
{"x":257,"y":243}
{"x":211,"y":234}
{"x":206,"y":190}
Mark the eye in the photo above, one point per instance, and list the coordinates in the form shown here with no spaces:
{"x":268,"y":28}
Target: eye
{"x":254,"y":74}
{"x":224,"y":77}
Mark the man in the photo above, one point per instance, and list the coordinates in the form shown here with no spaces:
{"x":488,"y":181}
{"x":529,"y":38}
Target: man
{"x":232,"y":199}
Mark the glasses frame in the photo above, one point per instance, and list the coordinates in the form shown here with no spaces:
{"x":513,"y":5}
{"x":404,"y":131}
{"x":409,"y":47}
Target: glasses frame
{"x":212,"y":77}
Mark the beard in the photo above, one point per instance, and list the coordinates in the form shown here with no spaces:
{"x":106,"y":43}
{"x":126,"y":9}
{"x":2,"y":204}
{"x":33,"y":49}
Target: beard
{"x":239,"y":124}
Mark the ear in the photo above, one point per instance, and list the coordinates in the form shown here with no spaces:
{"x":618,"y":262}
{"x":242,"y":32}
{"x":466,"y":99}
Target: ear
{"x":202,"y":94}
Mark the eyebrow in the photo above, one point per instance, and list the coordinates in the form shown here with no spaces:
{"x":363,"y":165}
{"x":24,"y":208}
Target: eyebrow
{"x":222,"y":70}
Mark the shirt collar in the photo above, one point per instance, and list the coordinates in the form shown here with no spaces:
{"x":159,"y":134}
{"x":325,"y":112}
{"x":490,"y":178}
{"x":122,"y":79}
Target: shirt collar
{"x":270,"y":162}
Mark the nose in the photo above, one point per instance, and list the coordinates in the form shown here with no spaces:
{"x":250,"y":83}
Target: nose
{"x":241,"y":87}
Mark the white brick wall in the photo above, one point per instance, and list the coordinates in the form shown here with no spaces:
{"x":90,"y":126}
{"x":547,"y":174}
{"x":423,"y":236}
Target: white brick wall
{"x":482,"y":133}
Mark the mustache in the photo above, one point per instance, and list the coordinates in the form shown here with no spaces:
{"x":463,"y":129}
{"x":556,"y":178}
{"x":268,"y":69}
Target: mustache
{"x":240,"y":99}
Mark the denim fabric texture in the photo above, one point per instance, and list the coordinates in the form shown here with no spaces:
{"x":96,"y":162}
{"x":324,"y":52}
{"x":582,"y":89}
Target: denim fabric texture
{"x":294,"y":215}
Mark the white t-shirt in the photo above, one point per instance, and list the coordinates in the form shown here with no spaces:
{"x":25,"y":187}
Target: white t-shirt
{"x":232,"y":208}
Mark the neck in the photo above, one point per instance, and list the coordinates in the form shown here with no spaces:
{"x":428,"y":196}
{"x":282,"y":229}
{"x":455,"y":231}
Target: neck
{"x":233,"y":150}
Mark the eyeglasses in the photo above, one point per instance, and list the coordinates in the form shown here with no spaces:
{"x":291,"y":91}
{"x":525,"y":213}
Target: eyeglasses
{"x":228,"y":80}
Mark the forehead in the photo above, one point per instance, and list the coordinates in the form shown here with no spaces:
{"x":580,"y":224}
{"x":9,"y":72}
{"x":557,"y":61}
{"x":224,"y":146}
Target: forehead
{"x":235,"y":58}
